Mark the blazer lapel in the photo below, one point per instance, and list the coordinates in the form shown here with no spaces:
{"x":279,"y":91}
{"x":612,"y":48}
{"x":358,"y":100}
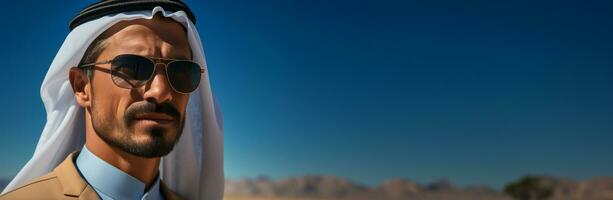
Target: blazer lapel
{"x":89,"y":193}
{"x":72,"y":184}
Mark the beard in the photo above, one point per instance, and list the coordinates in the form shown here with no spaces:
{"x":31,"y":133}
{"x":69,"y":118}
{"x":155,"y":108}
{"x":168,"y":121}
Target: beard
{"x":122,"y":135}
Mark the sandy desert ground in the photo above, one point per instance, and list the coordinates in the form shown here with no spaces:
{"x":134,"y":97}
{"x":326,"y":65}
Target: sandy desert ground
{"x":272,"y":198}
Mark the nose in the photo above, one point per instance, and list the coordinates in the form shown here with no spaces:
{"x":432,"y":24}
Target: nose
{"x":158,"y":90}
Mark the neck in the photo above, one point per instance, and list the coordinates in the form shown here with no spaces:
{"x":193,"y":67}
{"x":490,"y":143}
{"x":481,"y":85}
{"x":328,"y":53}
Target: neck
{"x":141,"y":168}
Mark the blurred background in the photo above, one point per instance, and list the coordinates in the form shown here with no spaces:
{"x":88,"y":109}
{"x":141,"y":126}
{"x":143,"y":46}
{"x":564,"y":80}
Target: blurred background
{"x":376,"y":99}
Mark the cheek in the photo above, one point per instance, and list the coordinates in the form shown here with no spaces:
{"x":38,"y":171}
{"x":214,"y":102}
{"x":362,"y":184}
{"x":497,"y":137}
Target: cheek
{"x":110,"y":100}
{"x":119,"y":106}
{"x":180,"y":102}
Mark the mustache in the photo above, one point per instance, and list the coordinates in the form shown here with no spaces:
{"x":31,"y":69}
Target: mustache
{"x":145,"y":107}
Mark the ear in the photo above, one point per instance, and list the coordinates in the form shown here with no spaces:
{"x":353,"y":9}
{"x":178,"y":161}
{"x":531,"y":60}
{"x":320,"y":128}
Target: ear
{"x":80,"y":86}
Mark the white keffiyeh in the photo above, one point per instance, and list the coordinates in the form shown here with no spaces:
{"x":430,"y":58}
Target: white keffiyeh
{"x":194,"y":169}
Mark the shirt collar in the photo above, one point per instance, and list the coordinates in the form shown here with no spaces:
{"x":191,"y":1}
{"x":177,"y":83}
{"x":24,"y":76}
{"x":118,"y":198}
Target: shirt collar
{"x":112,"y":183}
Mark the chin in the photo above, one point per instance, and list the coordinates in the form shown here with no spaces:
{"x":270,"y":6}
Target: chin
{"x":149,"y":143}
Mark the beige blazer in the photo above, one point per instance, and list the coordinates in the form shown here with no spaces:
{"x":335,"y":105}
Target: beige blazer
{"x":64,"y":182}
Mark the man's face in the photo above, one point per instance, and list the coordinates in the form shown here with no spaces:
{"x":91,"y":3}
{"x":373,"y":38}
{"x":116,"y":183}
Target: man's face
{"x":145,"y":121}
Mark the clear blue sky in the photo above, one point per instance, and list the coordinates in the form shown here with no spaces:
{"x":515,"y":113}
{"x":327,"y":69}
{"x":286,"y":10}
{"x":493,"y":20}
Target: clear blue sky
{"x":478,"y":92}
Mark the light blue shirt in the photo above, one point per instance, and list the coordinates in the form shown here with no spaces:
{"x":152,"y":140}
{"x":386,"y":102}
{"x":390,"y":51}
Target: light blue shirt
{"x":111,"y":183}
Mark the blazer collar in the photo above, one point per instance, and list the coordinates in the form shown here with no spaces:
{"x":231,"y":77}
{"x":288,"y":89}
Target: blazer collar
{"x":73,"y":184}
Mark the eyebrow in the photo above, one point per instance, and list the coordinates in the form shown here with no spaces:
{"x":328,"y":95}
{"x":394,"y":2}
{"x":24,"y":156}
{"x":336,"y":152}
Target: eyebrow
{"x":170,"y":58}
{"x":137,"y":50}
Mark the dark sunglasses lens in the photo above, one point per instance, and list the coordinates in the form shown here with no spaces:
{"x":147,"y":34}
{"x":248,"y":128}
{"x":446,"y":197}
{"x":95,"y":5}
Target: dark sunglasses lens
{"x":130,"y":71}
{"x":184,"y":76}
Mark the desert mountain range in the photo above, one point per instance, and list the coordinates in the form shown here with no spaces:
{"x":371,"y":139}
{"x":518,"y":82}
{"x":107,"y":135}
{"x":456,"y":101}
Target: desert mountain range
{"x":338,"y":188}
{"x":330,"y":187}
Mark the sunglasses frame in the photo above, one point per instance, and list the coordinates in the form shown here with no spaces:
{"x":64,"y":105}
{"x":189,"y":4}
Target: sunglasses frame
{"x":153,"y":61}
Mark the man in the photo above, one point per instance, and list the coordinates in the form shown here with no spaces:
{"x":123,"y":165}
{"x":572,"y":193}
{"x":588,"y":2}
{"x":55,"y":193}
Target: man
{"x":131,"y":80}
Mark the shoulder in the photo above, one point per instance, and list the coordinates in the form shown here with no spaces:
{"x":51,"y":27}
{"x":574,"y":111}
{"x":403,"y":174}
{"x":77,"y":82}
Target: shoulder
{"x":44,"y":187}
{"x":64,"y":181}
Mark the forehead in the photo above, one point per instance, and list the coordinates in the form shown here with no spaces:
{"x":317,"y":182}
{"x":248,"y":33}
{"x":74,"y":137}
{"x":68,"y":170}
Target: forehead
{"x":153,"y":37}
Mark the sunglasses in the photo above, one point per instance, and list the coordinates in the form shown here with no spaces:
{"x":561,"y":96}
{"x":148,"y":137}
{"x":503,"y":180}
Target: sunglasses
{"x":133,"y":71}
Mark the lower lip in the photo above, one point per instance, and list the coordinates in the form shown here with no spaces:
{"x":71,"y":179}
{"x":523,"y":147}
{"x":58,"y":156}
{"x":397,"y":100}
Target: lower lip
{"x":155,"y":121}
